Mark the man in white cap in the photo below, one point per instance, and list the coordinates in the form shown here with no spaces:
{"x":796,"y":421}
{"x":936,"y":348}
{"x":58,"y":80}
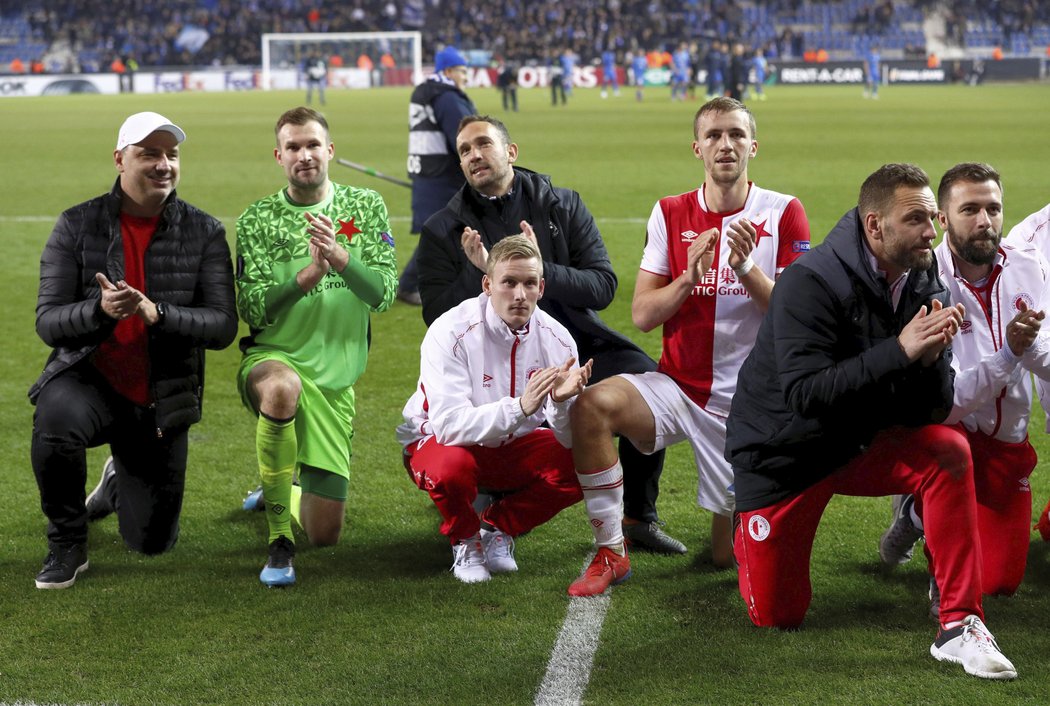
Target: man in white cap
{"x":134,"y":285}
{"x":435,"y":109}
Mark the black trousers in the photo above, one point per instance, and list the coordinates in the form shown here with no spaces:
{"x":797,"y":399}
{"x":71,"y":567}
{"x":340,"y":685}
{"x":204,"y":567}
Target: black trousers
{"x":78,"y":409}
{"x":641,"y":473}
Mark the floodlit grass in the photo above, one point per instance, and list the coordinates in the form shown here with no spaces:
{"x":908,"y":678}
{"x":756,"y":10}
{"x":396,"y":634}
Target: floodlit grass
{"x":377,"y":619}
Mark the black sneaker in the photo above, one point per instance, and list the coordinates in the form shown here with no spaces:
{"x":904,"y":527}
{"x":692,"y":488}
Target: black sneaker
{"x":62,"y":565}
{"x":279,"y":570}
{"x":935,"y":600}
{"x":99,"y":501}
{"x":649,"y":535}
{"x":898,"y":541}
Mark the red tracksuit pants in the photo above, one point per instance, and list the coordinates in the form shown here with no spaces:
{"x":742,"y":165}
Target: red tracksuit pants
{"x":773,"y":544}
{"x":535,"y":471}
{"x":1004,"y":509}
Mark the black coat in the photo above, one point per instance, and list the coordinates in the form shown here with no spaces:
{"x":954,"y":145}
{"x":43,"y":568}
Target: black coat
{"x":827,"y":373}
{"x":579,"y":278}
{"x":188,"y":268}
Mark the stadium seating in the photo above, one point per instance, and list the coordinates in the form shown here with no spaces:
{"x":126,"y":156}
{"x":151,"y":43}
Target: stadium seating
{"x":149,"y":30}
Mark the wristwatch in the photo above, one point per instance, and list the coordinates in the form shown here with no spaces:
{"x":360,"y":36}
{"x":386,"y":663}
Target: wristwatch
{"x":162,"y":311}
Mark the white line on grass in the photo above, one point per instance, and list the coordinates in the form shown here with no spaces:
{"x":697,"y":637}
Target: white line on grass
{"x":569,"y":668}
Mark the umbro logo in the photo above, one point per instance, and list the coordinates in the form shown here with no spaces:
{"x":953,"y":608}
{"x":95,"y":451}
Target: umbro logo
{"x":281,"y":243}
{"x":486,"y":380}
{"x":278,"y":508}
{"x":689,"y":235}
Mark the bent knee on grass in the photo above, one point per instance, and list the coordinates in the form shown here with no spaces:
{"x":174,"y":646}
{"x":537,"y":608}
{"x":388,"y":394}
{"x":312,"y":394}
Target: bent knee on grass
{"x":322,"y":519}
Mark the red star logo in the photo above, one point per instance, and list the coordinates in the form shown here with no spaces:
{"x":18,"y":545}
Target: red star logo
{"x":760,"y":230}
{"x":348,"y":229}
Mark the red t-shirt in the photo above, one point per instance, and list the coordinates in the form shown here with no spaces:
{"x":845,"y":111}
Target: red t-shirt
{"x":123,"y":358}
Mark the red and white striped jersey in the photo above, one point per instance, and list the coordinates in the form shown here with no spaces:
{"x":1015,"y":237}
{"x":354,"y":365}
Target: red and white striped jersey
{"x":706,"y":340}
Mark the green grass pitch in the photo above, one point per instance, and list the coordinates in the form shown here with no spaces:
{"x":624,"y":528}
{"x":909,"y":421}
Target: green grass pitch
{"x":377,"y":619}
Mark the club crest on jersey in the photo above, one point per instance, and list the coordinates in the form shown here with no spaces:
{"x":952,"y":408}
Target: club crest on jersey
{"x":758,"y":528}
{"x":532,"y":371}
{"x":486,"y":380}
{"x":689,"y":236}
{"x":1026,"y":299}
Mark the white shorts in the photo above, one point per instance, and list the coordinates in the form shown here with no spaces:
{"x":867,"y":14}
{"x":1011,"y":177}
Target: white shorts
{"x":678,"y":419}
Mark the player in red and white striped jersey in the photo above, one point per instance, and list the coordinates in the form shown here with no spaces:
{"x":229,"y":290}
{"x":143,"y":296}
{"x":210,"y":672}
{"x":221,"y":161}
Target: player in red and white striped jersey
{"x":707,"y":271}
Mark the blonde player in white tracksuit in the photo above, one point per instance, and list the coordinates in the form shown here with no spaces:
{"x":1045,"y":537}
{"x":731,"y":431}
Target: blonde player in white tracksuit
{"x":493,"y":370}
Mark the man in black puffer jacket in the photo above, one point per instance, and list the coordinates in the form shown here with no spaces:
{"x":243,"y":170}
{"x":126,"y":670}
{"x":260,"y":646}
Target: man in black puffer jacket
{"x":134,"y":285}
{"x":844,"y":393}
{"x":498,"y":200}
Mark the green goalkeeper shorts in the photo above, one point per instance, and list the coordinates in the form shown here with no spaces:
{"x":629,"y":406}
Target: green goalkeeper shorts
{"x":324,"y":421}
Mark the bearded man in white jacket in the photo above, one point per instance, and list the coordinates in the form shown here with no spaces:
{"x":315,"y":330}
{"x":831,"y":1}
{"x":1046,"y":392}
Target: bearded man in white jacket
{"x":493,"y":370}
{"x":1003,"y":288}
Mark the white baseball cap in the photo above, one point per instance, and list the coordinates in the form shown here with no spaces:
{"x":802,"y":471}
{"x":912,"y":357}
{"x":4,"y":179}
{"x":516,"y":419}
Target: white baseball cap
{"x":141,"y":125}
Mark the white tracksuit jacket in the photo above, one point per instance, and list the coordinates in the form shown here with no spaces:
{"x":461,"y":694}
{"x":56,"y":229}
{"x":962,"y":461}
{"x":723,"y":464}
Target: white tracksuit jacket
{"x":1034,"y":231}
{"x":992,"y":389}
{"x":473,"y":370}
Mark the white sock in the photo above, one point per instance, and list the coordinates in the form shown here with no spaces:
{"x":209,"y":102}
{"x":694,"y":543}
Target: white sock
{"x":603,"y":496}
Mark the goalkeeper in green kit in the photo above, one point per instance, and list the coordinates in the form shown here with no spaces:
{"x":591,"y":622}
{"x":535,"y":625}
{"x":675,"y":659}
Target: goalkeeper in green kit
{"x":313,"y":260}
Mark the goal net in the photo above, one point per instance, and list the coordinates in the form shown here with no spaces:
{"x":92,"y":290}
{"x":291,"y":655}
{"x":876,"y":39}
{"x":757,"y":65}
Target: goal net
{"x":353,"y":59}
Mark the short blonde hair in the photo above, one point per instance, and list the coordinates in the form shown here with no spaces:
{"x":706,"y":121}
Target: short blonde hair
{"x":513,"y":247}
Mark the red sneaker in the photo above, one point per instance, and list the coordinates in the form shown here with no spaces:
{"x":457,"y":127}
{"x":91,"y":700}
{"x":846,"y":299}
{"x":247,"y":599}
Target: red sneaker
{"x":1043,"y":526}
{"x":607,"y":569}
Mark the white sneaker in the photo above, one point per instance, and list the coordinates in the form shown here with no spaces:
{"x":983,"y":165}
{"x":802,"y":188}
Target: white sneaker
{"x":971,"y":645}
{"x":468,"y":561}
{"x":499,"y":551}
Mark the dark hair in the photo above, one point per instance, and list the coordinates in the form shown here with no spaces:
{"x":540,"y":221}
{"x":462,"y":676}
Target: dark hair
{"x":299,"y":116}
{"x":723,"y":104}
{"x":876,"y":193}
{"x":973,"y":172}
{"x":494,"y":122}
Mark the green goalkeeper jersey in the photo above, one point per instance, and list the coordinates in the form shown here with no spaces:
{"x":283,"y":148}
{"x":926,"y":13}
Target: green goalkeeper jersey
{"x":322,"y":333}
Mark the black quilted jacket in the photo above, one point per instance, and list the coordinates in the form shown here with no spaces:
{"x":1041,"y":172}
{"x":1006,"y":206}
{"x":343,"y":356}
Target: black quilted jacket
{"x":188,"y":268}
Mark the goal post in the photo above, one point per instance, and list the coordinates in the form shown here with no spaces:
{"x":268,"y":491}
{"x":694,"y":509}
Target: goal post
{"x":354,"y":59}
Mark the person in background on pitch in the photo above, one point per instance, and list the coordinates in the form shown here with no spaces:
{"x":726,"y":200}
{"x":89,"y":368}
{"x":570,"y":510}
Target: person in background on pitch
{"x":435,"y":109}
{"x":844,"y":393}
{"x":1035,"y":231}
{"x":474,"y":421}
{"x":729,"y":239}
{"x":316,"y":77}
{"x":993,"y":392}
{"x":134,"y":285}
{"x":639,"y":65}
{"x":872,"y":72}
{"x":507,"y":81}
{"x":500,"y":199}
{"x":609,"y":72}
{"x":313,"y":261}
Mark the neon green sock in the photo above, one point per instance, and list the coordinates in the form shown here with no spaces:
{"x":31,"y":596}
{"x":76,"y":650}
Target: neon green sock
{"x":296,"y":504}
{"x":277,"y":448}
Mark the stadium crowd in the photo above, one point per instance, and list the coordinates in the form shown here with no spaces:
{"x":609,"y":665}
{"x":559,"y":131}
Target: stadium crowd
{"x":224,"y":32}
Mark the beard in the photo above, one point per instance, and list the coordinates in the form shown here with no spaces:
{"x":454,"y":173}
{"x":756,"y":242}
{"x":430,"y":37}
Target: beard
{"x":904,"y":255}
{"x":979,"y":249}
